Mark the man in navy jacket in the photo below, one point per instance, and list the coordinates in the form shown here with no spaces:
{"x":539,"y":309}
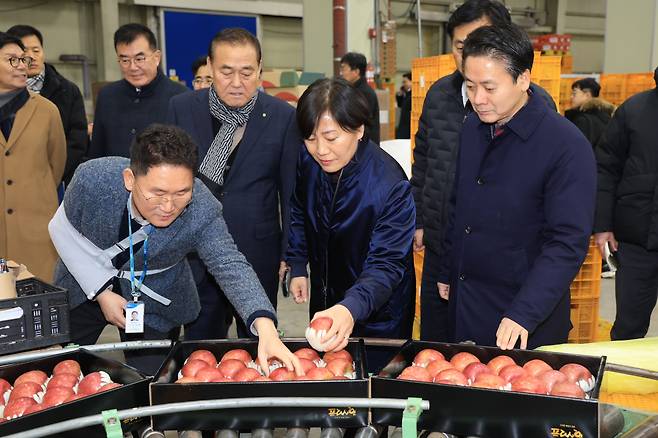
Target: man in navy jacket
{"x":248,"y":146}
{"x":522,"y":203}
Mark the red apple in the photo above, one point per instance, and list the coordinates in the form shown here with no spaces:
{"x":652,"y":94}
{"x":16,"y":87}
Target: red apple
{"x":551,"y":377}
{"x":18,"y":406}
{"x":424,"y":357}
{"x":205,"y":356}
{"x":75,"y":397}
{"x":187,"y":380}
{"x":536,"y":366}
{"x":341,"y":367}
{"x":316,"y":330}
{"x":109,"y":386}
{"x":64,"y":380}
{"x":56,"y":396}
{"x":35,"y":376}
{"x":237,"y":354}
{"x":437,"y":366}
{"x":25,"y":389}
{"x":452,"y":376}
{"x":490,"y":381}
{"x":230,"y":367}
{"x":344,"y":354}
{"x":307,"y":353}
{"x":499,"y":362}
{"x":92,"y":382}
{"x":568,"y":389}
{"x":208,"y":374}
{"x":529,"y":384}
{"x":318,"y":374}
{"x":68,"y":366}
{"x":192,"y":367}
{"x":4,"y":387}
{"x":462,"y":359}
{"x":579,"y":375}
{"x":474,"y":369}
{"x":281,"y":374}
{"x":262,"y":379}
{"x":512,"y":372}
{"x":307,"y":364}
{"x":418,"y":374}
{"x":274,"y":363}
{"x":33,"y":408}
{"x":247,"y":375}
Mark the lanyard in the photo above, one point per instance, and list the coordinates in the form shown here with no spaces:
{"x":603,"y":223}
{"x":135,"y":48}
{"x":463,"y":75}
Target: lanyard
{"x":135,"y":289}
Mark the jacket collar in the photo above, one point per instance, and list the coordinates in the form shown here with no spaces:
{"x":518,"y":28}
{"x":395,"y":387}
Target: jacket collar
{"x":363,"y":153}
{"x":148,"y":89}
{"x":527,"y":119}
{"x":51,"y":81}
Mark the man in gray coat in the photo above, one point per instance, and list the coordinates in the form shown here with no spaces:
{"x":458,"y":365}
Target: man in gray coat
{"x":146,"y":215}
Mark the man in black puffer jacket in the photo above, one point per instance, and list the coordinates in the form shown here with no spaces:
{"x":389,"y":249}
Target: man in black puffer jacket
{"x":435,"y":156}
{"x":627,"y":209}
{"x":589,"y":112}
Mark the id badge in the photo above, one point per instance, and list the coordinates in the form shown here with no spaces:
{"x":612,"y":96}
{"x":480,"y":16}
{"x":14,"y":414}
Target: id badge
{"x":134,"y":317}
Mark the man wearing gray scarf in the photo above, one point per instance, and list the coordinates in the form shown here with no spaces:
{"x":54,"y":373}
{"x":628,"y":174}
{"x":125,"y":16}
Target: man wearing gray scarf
{"x":248,"y":146}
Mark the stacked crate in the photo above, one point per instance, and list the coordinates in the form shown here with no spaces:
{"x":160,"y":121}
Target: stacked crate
{"x":546,"y":72}
{"x":616,"y":88}
{"x":585,"y":295}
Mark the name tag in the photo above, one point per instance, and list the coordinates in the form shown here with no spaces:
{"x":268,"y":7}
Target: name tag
{"x":134,"y":317}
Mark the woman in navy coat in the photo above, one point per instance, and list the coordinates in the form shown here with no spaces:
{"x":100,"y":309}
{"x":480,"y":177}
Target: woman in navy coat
{"x":352,"y":220}
{"x":523,"y":203}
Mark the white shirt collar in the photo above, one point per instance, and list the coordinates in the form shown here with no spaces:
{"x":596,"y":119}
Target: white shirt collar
{"x":464,"y":94}
{"x":134,"y":214}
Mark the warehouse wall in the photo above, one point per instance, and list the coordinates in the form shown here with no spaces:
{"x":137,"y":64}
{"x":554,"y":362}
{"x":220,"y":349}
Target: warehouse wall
{"x":283,"y":42}
{"x":631,"y":50}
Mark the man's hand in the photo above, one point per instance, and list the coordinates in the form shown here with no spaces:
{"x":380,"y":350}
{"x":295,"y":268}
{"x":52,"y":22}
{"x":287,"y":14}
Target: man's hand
{"x":444,"y":290}
{"x":113,"y":306}
{"x":508,"y":333}
{"x":270,"y":345}
{"x":418,"y":240}
{"x":602,"y":238}
{"x":299,"y":289}
{"x":343,"y":323}
{"x":283,"y":268}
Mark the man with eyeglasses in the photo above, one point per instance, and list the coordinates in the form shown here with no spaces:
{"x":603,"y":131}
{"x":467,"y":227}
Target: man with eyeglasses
{"x":32,"y":157}
{"x":44,"y":79}
{"x":124,"y":108}
{"x":248,"y":147}
{"x":122,"y":234}
{"x":201,"y":73}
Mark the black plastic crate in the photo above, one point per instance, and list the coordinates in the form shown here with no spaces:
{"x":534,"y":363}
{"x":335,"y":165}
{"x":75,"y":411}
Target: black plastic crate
{"x":133,"y":393}
{"x":164,"y":390}
{"x":491,"y":413}
{"x":37,"y":318}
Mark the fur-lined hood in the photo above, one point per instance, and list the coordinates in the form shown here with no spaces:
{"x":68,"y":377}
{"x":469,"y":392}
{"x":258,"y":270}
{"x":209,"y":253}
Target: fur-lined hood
{"x":597,"y":104}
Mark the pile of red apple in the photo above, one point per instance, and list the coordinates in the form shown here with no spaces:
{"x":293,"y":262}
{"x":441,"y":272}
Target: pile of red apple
{"x":501,"y":372}
{"x":238,"y":366}
{"x":34,"y":390}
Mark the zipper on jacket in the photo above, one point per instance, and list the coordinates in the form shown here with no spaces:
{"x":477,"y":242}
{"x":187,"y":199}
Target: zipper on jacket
{"x":325,"y":281}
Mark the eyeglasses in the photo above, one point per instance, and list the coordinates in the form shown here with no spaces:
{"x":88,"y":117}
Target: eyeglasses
{"x":15,"y":61}
{"x":139,"y":60}
{"x":204,"y":81}
{"x":156,"y":201}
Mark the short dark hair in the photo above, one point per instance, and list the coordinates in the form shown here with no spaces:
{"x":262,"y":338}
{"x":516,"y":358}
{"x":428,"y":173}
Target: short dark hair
{"x":356,"y":61}
{"x":235,"y":36}
{"x":507,"y":43}
{"x":162,"y":144}
{"x":473,"y":10}
{"x":198,"y":63}
{"x":25,"y":30}
{"x":346,"y":104}
{"x":587,"y":84}
{"x":407,"y":75}
{"x":128,"y":33}
{"x":5,"y":39}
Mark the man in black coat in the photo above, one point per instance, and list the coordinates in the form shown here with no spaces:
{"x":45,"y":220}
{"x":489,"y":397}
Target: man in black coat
{"x":589,"y":112}
{"x":353,"y":69}
{"x":627,"y":209}
{"x":45,"y":80}
{"x":124,"y":108}
{"x":435,"y":155}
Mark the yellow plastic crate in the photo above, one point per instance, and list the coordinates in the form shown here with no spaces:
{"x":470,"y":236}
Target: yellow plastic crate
{"x":585,"y":320}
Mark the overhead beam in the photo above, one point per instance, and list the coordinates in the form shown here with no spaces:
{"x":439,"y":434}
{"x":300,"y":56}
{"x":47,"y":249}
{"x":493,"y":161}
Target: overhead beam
{"x":258,"y":7}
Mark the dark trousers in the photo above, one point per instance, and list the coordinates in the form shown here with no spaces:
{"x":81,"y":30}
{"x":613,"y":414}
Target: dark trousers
{"x":216,"y":311}
{"x":87,"y":323}
{"x":433,"y":308}
{"x":636,"y":291}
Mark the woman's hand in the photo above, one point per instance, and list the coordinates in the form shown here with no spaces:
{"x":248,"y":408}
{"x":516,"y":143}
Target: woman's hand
{"x":299,"y":289}
{"x":343,"y":323}
{"x":270,"y":345}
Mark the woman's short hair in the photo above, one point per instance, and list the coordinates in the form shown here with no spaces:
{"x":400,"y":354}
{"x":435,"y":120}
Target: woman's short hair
{"x":346,"y":104}
{"x":162,"y":144}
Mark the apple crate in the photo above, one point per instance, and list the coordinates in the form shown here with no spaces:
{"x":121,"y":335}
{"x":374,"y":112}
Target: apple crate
{"x":470,"y":411}
{"x":585,"y":319}
{"x":133,"y":393}
{"x":37,"y":318}
{"x":164,"y":390}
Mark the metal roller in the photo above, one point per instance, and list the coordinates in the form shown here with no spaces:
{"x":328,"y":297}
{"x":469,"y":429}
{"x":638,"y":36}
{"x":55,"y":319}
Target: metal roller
{"x":370,"y":431}
{"x":297,"y":432}
{"x":612,"y":421}
{"x":646,"y":429}
{"x":227,"y":433}
{"x":262,"y":433}
{"x":397,"y":433}
{"x":150,"y":433}
{"x":187,"y":434}
{"x":332,"y":432}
